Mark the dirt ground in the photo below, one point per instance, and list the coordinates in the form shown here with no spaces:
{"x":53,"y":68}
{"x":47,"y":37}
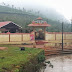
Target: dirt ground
{"x":3,"y":48}
{"x":43,"y":47}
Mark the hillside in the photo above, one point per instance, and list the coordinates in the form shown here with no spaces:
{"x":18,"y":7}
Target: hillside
{"x":49,"y":13}
{"x":23,"y":18}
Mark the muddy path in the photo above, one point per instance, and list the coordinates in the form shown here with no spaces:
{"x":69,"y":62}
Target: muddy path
{"x":62,"y":63}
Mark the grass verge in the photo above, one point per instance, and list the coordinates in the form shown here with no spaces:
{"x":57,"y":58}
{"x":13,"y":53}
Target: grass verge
{"x":15,"y":60}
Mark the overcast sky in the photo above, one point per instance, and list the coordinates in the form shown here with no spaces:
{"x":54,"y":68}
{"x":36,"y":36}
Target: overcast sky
{"x":62,"y":6}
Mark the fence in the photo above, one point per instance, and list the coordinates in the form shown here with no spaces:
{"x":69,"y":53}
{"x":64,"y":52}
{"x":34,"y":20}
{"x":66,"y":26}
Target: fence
{"x":14,"y":37}
{"x":58,"y":36}
{"x":17,"y":37}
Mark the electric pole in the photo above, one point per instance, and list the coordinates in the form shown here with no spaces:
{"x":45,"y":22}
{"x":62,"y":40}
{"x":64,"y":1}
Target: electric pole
{"x":62,"y":36}
{"x":71,"y":24}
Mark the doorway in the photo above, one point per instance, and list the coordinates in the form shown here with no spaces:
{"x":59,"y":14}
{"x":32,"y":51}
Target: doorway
{"x":39,"y":35}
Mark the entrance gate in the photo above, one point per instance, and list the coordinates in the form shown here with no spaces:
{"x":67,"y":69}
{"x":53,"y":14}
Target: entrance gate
{"x":41,"y":25}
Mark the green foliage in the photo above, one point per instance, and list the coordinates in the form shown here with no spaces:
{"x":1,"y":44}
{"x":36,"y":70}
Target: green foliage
{"x":16,"y":70}
{"x":23,"y":18}
{"x":41,"y":57}
{"x":13,"y":59}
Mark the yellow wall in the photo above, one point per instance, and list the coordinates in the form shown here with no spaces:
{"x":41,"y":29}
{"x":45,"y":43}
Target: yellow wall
{"x":26,"y":37}
{"x":4,"y":37}
{"x":68,"y":36}
{"x":15,"y":37}
{"x":59,"y":36}
{"x":50,"y":36}
{"x":20,"y":37}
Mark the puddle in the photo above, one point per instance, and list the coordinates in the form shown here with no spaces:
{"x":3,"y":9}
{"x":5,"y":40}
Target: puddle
{"x":60,"y":64}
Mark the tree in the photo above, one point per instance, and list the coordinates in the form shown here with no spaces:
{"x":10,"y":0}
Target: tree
{"x":12,"y":6}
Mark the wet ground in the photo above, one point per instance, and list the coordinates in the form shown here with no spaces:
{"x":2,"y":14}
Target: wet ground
{"x":61,"y":63}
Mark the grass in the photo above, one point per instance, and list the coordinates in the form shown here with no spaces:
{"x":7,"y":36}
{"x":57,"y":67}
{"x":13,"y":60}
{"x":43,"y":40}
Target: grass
{"x":14,"y":57}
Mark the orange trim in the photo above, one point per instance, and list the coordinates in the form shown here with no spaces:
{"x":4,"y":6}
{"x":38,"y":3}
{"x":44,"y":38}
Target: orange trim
{"x":33,"y":31}
{"x":59,"y":32}
{"x":14,"y":33}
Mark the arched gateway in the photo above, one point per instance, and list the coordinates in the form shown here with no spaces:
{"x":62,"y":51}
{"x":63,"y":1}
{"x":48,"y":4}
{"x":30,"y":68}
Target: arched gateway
{"x":39,"y":28}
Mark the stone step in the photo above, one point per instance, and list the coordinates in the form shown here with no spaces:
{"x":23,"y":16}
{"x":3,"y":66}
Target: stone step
{"x":66,"y":52}
{"x":57,"y":52}
{"x":52,"y":54}
{"x":41,"y":42}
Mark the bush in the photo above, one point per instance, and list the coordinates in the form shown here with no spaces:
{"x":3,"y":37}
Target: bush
{"x":34,"y":64}
{"x":41,"y":58}
{"x":15,"y":60}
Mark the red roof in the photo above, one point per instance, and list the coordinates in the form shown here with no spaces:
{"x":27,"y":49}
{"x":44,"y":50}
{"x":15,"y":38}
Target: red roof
{"x":39,"y":18}
{"x":4,"y":23}
{"x":42,"y":25}
{"x":39,"y":24}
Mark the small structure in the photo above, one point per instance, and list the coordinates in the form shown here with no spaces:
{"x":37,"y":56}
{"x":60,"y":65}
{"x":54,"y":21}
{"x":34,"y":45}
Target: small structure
{"x":9,"y":26}
{"x":39,"y":28}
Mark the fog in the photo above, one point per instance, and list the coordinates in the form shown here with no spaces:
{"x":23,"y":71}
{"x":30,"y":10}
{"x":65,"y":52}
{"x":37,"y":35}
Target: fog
{"x":61,"y":6}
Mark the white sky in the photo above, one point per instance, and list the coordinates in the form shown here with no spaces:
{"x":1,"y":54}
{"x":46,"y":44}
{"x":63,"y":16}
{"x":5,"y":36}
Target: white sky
{"x":62,"y":6}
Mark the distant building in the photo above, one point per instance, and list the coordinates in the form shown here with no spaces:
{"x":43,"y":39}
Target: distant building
{"x":39,"y":28}
{"x":9,"y":26}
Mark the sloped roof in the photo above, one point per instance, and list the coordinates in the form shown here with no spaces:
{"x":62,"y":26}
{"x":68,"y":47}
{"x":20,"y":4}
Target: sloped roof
{"x":6,"y":23}
{"x":42,"y":25}
{"x":39,"y":23}
{"x":39,"y":18}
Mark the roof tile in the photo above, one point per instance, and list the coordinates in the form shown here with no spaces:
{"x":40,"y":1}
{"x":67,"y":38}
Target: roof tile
{"x":4,"y":23}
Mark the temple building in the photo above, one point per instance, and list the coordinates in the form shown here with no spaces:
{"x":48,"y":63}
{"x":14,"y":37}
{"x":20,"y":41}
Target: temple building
{"x":9,"y":26}
{"x":39,"y":28}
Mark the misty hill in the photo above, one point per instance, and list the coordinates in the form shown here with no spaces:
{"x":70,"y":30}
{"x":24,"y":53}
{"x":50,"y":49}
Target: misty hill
{"x":24,"y":17}
{"x":49,"y":13}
